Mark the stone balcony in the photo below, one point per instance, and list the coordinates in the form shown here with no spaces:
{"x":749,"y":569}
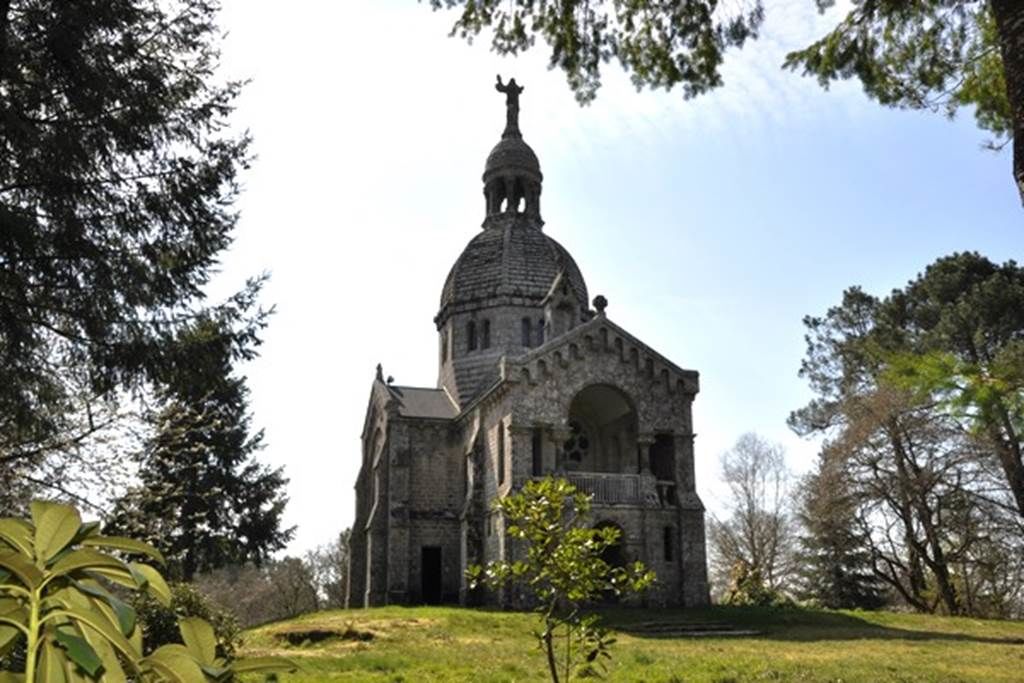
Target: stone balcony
{"x":624,"y":489}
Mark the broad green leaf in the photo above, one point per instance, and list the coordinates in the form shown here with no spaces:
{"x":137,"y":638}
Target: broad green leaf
{"x":176,"y":665}
{"x":122,"y":577}
{"x":154,"y":583}
{"x":51,"y":663}
{"x":263,"y":665}
{"x":94,"y":618}
{"x":9,"y":677}
{"x":8,"y":638}
{"x":10,"y":609}
{"x":106,"y":610}
{"x":217,"y":673}
{"x":56,"y":524}
{"x":128,"y":545}
{"x":18,"y":534}
{"x":125,"y":613}
{"x":25,"y":571}
{"x":84,"y":558}
{"x":87,"y":530}
{"x":80,"y":652}
{"x":72,"y":599}
{"x":199,"y":638}
{"x":112,"y":672}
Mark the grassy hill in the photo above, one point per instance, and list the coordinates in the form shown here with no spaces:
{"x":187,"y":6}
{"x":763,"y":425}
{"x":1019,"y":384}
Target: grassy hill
{"x":451,"y":644}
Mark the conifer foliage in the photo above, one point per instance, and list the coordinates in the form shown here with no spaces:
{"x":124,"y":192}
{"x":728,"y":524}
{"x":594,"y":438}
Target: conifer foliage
{"x":835,"y":564}
{"x":204,"y":500}
{"x":117,"y":177}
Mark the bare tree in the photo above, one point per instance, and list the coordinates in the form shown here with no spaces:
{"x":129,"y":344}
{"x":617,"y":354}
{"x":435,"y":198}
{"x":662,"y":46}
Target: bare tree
{"x":759,"y":530}
{"x":328,"y":565}
{"x":294,"y":587}
{"x":88,"y":461}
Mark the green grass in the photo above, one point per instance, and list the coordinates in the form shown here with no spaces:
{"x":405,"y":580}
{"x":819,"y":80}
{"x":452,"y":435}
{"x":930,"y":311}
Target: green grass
{"x":395,"y":644}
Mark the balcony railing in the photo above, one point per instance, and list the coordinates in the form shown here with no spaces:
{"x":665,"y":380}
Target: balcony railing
{"x":624,"y":489}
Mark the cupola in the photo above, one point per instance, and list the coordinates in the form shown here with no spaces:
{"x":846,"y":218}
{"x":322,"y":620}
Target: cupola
{"x":512,"y":177}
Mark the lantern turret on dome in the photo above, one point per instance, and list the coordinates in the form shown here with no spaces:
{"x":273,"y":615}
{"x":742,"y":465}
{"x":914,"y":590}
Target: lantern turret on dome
{"x":512,"y":177}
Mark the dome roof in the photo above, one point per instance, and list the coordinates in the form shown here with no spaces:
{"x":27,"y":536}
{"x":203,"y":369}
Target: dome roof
{"x":512,"y":155}
{"x":517,"y":261}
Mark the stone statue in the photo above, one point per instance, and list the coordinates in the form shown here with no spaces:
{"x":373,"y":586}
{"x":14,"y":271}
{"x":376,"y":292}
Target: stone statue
{"x":511,"y":90}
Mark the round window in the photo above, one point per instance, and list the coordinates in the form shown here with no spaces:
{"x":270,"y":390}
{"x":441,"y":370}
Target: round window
{"x":577,"y":445}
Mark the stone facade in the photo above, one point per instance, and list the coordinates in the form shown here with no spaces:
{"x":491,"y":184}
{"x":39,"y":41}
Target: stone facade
{"x":531,"y":381}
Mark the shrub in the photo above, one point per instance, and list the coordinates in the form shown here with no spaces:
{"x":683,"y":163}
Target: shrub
{"x":160,"y":624}
{"x":747,"y":588}
{"x":58,"y":596}
{"x":561,"y":572}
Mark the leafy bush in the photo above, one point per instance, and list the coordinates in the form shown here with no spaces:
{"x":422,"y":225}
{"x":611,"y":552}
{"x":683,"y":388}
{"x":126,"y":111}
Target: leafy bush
{"x":57,"y":594}
{"x":562,"y":570}
{"x":747,"y":588}
{"x":160,"y":623}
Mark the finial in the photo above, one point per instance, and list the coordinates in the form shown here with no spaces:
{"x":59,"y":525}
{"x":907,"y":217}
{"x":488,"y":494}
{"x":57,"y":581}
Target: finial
{"x":511,"y":90}
{"x":600,"y":303}
{"x":380,"y":373}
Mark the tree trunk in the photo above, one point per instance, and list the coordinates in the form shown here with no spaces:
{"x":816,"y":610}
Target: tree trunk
{"x":1009,"y":16}
{"x":1007,"y":446}
{"x":549,"y":650}
{"x":911,"y":483}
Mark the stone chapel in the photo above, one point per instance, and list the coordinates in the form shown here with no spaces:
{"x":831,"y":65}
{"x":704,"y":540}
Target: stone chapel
{"x":532,"y":381}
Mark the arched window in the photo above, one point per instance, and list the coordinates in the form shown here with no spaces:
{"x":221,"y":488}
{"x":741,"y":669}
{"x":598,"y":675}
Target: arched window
{"x":527,"y":333}
{"x":540,"y":331}
{"x":485,"y":342}
{"x":471,"y":335}
{"x":602,"y":431}
{"x":444,"y":346}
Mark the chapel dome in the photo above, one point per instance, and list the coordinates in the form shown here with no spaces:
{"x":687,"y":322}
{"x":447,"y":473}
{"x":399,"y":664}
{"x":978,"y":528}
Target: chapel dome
{"x":511,"y":156}
{"x":515,"y":263}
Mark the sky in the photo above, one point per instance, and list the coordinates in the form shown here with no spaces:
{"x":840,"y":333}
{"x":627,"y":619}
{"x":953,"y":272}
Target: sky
{"x":712,"y":225}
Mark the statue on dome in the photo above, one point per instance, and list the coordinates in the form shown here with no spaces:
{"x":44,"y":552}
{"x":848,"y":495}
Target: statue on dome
{"x":511,"y":90}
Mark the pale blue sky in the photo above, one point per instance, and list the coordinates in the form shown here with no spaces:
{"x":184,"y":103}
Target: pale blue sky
{"x":712,"y":226}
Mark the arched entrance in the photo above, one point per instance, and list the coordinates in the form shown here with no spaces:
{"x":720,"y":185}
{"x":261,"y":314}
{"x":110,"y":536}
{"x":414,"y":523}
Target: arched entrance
{"x":603,"y":428}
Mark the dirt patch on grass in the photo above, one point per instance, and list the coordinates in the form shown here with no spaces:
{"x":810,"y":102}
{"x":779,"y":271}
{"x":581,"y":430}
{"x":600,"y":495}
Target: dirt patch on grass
{"x":301,"y":637}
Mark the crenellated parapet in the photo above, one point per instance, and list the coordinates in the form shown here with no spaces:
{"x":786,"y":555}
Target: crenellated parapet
{"x":600,"y":336}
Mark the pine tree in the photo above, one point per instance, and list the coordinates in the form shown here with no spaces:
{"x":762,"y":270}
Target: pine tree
{"x":204,"y":500}
{"x":118,"y":171}
{"x":835,"y":566}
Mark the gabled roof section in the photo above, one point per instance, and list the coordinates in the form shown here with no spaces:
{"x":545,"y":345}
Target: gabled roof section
{"x":598,"y":335}
{"x":423,"y":402}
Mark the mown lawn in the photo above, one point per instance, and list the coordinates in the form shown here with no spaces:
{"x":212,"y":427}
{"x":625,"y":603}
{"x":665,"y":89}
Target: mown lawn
{"x":452,"y":644}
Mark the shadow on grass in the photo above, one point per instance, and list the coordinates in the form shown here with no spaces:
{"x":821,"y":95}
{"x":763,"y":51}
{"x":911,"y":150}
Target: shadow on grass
{"x":785,"y":623}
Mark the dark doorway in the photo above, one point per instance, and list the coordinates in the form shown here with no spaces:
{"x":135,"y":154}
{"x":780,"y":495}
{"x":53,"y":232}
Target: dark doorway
{"x":613,"y":557}
{"x":430,"y":575}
